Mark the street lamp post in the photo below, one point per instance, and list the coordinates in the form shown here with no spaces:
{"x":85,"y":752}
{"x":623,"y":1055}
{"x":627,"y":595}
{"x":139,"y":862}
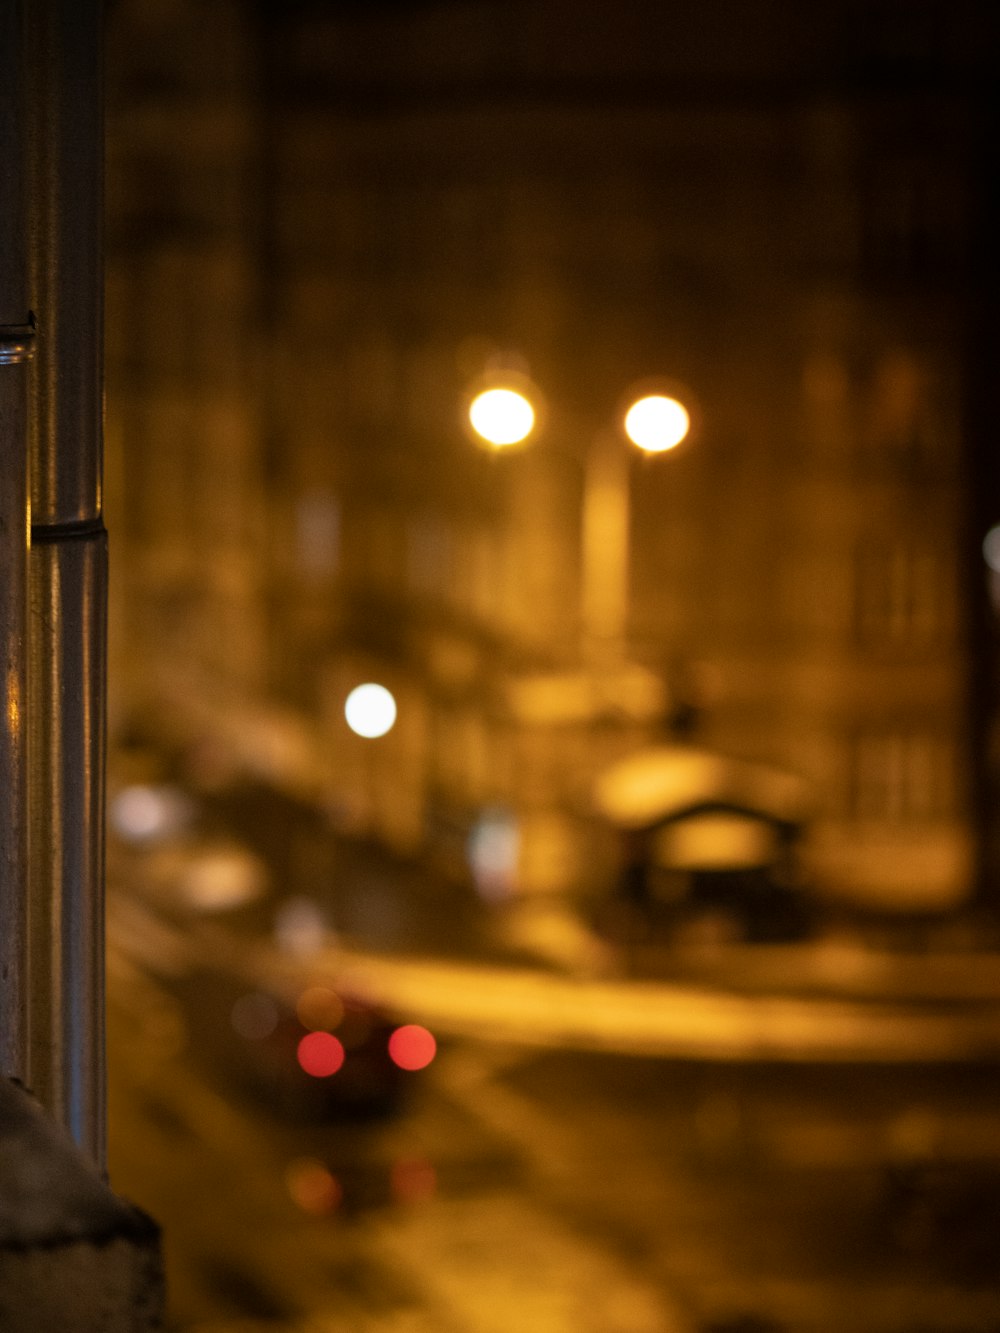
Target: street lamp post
{"x":604,"y":553}
{"x":504,"y":417}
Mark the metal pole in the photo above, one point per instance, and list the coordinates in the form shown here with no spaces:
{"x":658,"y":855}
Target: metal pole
{"x":13,"y":601}
{"x":68,"y":575}
{"x":16,"y":341}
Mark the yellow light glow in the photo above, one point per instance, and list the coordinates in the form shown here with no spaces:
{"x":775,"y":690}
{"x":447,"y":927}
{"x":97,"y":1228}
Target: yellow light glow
{"x":313,"y":1186}
{"x":502,"y":416}
{"x":657,"y":423}
{"x":370,"y":710}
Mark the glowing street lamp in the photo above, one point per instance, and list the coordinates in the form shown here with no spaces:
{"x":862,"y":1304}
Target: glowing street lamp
{"x":502,"y":417}
{"x":655,"y":423}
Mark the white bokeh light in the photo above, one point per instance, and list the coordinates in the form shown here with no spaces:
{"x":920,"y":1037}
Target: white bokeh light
{"x":502,"y":416}
{"x":991,"y":548}
{"x":657,"y":423}
{"x":370,"y":710}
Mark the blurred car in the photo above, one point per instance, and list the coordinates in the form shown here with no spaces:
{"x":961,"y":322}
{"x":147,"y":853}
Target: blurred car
{"x":326,"y":1050}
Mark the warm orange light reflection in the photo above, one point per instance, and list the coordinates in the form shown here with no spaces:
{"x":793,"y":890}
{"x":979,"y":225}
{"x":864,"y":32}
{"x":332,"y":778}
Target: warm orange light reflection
{"x":502,"y":417}
{"x":313,"y":1186}
{"x":657,"y":423}
{"x":13,"y":702}
{"x":412,"y":1047}
{"x":320,"y":1054}
{"x":319,"y":1008}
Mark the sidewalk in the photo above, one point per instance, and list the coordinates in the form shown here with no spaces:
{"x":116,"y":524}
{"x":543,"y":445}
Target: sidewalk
{"x":822,"y":1001}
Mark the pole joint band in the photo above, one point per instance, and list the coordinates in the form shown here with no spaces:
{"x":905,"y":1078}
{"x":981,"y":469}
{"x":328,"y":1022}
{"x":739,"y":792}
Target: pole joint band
{"x":17,"y":343}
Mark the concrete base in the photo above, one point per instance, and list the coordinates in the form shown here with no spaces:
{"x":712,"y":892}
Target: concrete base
{"x":73,"y":1256}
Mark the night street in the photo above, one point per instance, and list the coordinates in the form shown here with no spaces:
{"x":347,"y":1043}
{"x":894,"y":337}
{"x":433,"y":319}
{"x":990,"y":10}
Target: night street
{"x":547,"y":1188}
{"x":500,"y":738}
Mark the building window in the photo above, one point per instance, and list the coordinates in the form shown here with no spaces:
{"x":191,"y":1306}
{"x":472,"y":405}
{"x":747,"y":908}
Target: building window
{"x":892,"y":420}
{"x":907,"y":420}
{"x":900,"y":596}
{"x":901,"y":776}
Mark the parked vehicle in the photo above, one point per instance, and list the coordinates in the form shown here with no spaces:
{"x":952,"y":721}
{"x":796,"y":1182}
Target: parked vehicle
{"x":324,"y":1049}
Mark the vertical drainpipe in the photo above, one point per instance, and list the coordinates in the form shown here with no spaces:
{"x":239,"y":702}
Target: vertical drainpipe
{"x":67,"y":574}
{"x":16,"y":341}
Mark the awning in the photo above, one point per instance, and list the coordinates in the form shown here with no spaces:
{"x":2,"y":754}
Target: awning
{"x":670,"y":781}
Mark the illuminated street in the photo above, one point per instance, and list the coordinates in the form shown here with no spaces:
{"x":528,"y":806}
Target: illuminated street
{"x":500,"y":737}
{"x":528,"y":1182}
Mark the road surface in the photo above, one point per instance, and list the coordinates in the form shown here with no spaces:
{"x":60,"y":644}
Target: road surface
{"x":543,"y":1186}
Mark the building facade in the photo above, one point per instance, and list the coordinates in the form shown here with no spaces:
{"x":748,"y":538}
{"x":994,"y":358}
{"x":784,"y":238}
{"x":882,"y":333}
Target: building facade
{"x":323,"y":235}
